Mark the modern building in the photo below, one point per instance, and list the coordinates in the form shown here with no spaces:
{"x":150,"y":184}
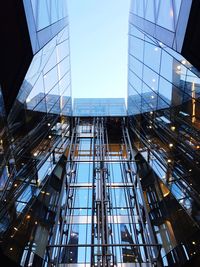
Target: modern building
{"x":163,"y":107}
{"x":99,"y":185}
{"x":35,"y":91}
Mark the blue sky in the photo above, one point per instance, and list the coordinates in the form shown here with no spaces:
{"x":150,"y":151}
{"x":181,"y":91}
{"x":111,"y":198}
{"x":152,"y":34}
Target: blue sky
{"x":99,"y":47}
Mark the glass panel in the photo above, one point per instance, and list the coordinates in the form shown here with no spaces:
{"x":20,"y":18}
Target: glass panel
{"x":166,"y":66}
{"x":79,"y":234}
{"x":84,"y":173}
{"x":166,"y":15}
{"x":50,"y":79}
{"x":43,"y":16}
{"x":152,"y":56}
{"x":151,"y":78}
{"x":165,"y":90}
{"x":135,"y":65}
{"x":36,"y":94}
{"x":136,"y":48}
{"x":83,"y":198}
{"x":135,"y":81}
{"x":150,"y":13}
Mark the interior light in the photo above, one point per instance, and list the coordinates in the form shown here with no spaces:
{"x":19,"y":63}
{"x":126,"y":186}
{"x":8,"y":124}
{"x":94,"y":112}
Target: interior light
{"x":28,"y":217}
{"x":178,"y":67}
{"x":183,"y":61}
{"x":35,"y":154}
{"x":153,"y":80}
{"x":15,"y":229}
{"x":15,"y":185}
{"x":151,"y":112}
{"x":190,"y":170}
{"x":152,"y":96}
{"x":169,"y":160}
{"x":48,"y":124}
{"x":156,"y":48}
{"x":50,"y":136}
{"x":11,"y":248}
{"x":173,"y":128}
{"x":193,"y":242}
{"x":171,"y":145}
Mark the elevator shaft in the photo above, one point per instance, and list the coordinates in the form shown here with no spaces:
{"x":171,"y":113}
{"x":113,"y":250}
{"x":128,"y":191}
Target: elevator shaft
{"x":115,"y":217}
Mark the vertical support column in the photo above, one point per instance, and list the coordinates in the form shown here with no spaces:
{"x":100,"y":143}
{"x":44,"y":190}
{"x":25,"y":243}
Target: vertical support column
{"x":147,"y":230}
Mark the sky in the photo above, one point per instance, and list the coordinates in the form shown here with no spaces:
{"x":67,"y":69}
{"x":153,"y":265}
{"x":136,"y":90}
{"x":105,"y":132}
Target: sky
{"x":99,"y":47}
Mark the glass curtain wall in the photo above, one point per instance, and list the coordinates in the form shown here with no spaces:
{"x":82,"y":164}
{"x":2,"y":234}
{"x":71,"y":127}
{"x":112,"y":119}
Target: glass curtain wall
{"x":163,"y":108}
{"x":102,"y":219}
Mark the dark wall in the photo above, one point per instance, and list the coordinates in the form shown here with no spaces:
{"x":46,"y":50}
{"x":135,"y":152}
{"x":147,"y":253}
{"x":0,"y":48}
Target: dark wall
{"x":191,"y":45}
{"x":15,"y":49}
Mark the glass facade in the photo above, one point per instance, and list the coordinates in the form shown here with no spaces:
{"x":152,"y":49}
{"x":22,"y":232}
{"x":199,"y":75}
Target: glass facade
{"x":35,"y":130}
{"x":91,"y":209}
{"x":163,"y":110}
{"x":101,"y":186}
{"x":166,"y":21}
{"x":98,"y":107}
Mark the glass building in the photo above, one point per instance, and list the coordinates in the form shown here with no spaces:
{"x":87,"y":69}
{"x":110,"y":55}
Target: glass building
{"x":35,"y":95}
{"x":163,"y":110}
{"x":98,"y":185}
{"x":99,"y":107}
